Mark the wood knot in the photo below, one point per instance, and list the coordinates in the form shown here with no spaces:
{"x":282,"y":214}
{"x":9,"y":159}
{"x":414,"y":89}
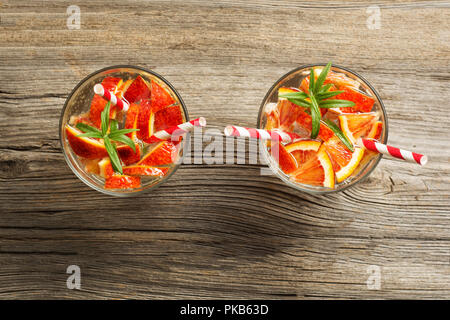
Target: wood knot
{"x":10,"y":168}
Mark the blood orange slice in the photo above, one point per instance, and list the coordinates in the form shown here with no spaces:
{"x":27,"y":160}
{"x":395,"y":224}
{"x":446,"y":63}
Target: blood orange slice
{"x":122,"y":88}
{"x":303,"y":150}
{"x":97,"y":106}
{"x":138,"y":170}
{"x":83,"y":146}
{"x":145,"y":120}
{"x":132,"y":120}
{"x":287,"y":111}
{"x":305,"y":121}
{"x":127,"y":155}
{"x":167,"y":117}
{"x":375,"y":131}
{"x":138,"y":90}
{"x":272,"y":121}
{"x":164,"y":152}
{"x":344,"y":161}
{"x":119,"y":181}
{"x":111,"y":83}
{"x":285,"y":160}
{"x":356,"y":125}
{"x":105,"y":168}
{"x":317,"y":170}
{"x":338,"y":79}
{"x":363,"y":103}
{"x":160,"y":97}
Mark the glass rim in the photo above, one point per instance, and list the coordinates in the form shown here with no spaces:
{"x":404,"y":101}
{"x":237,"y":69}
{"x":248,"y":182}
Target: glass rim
{"x":268,"y":156}
{"x":75,"y":170}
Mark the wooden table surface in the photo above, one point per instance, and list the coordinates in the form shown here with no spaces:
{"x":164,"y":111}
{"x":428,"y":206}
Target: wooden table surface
{"x":224,"y":230}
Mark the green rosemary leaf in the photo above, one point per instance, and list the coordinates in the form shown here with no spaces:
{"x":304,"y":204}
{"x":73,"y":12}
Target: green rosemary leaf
{"x":105,"y":118}
{"x":311,"y":81}
{"x":326,"y":95}
{"x":114,"y":125}
{"x":338,"y":132}
{"x":86,"y":128}
{"x":112,"y":152}
{"x":315,"y":117}
{"x":335,"y":103}
{"x":300,"y":102}
{"x":91,"y":135}
{"x":124,"y":139}
{"x":319,"y":82}
{"x":121,"y":132}
{"x":293,"y":95}
{"x":325,"y":88}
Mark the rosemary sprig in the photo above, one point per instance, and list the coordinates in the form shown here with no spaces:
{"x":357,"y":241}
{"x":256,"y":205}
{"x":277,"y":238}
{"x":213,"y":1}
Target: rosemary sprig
{"x":318,"y":97}
{"x":114,"y":134}
{"x":338,"y":132}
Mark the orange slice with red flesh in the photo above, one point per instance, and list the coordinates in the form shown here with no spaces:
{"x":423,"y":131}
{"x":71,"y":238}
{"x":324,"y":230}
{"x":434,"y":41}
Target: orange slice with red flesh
{"x":287,"y":111}
{"x":160,"y":97}
{"x":97,"y":106}
{"x":272,"y":121}
{"x":305,"y":121}
{"x":338,"y":79}
{"x":363,"y":103}
{"x":167,"y":117}
{"x":284,"y":159}
{"x":111,"y":83}
{"x":303,"y":150}
{"x":139,"y":89}
{"x":105,"y":168}
{"x":163,"y":153}
{"x":85,"y":147}
{"x":316,"y":171}
{"x":138,"y":170}
{"x":131,"y":121}
{"x":122,"y":88}
{"x":344,"y":161}
{"x":375,"y":131}
{"x":119,"y":181}
{"x":356,"y":125}
{"x":145,"y":119}
{"x":127,"y":155}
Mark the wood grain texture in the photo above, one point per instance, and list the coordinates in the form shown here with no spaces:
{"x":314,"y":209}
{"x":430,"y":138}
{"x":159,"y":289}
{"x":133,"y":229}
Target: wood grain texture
{"x":224,"y":231}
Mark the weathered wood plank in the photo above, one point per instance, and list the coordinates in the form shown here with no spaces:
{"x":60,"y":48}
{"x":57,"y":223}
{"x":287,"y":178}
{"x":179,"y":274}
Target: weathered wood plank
{"x":224,"y":231}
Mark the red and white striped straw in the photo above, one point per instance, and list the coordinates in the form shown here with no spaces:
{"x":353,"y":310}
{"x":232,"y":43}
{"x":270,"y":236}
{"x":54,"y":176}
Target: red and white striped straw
{"x":392,"y":151}
{"x":100,"y":90}
{"x":262,"y":134}
{"x":176,"y":131}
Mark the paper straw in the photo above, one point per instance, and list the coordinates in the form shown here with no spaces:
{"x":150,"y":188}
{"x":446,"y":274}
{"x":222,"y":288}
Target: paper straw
{"x":100,"y":90}
{"x":276,"y":135}
{"x":176,"y":131}
{"x":392,"y":151}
